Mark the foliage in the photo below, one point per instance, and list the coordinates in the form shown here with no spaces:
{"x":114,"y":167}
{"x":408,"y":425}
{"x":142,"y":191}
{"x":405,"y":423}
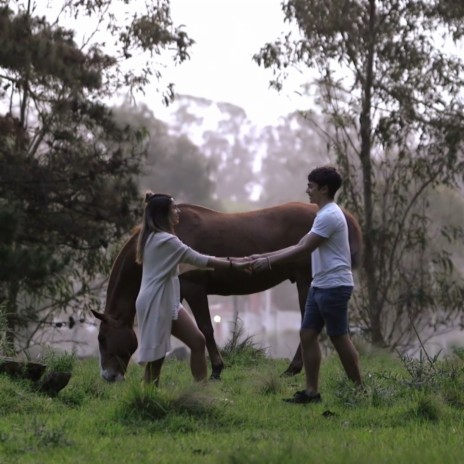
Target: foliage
{"x":5,"y":348}
{"x":59,"y":362}
{"x":389,"y":87}
{"x":224,"y":135}
{"x":68,"y":170}
{"x":173,"y":164}
{"x":293,"y":148}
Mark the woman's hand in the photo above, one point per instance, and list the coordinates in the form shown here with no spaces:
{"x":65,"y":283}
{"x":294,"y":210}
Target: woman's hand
{"x":241,"y":264}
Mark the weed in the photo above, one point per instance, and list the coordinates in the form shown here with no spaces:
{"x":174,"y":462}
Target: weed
{"x":240,"y":349}
{"x":428,"y":407}
{"x":422,"y":371}
{"x":458,"y":352}
{"x":143,"y":403}
{"x":349,"y":394}
{"x":59,"y":361}
{"x":268,"y":383}
{"x":194,"y":402}
{"x":149,"y":403}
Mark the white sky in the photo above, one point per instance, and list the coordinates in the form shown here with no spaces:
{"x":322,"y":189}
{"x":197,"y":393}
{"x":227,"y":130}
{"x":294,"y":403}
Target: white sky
{"x":227,"y":34}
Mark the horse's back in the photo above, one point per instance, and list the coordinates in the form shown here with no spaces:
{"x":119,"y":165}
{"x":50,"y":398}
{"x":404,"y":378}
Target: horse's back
{"x":245,"y":233}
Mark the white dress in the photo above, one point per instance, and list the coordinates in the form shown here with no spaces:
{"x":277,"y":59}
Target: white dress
{"x":158,"y":300}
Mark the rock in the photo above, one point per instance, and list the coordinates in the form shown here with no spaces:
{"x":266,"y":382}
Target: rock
{"x":53,"y":382}
{"x":49,"y":383}
{"x":22,"y":369}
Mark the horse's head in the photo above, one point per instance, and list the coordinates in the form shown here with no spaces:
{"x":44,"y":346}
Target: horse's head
{"x":117,"y":343}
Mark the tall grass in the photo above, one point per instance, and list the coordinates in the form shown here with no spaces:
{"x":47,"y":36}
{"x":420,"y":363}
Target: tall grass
{"x":241,"y":349}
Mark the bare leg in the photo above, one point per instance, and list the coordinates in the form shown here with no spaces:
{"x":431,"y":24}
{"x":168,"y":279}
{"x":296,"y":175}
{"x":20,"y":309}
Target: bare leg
{"x":348,"y":356}
{"x":185,"y":329}
{"x":196,"y":297}
{"x":311,"y":352}
{"x":153,"y":372}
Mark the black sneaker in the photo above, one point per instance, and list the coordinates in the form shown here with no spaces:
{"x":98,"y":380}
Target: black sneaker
{"x":301,"y":397}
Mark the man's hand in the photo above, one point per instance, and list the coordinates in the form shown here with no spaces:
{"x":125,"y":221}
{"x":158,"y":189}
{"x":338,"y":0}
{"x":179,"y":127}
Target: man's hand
{"x":261,"y":264}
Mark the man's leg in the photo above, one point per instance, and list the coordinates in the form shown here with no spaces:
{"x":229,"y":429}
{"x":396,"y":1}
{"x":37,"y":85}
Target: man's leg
{"x":348,"y":356}
{"x":334,"y":304}
{"x":311,"y":326}
{"x":311,"y":352}
{"x":185,"y":329}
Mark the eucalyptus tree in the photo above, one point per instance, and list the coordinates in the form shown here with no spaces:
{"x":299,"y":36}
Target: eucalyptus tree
{"x":293,"y":148}
{"x":173,"y":163}
{"x":389,"y":77}
{"x":68,"y":171}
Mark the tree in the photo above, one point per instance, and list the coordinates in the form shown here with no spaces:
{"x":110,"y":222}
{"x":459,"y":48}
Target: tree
{"x":173,"y":164}
{"x":68,"y":171}
{"x":293,"y":148}
{"x":392,"y":92}
{"x":225,"y":136}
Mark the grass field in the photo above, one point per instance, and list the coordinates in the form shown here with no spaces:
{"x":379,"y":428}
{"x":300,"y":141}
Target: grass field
{"x":413,"y":411}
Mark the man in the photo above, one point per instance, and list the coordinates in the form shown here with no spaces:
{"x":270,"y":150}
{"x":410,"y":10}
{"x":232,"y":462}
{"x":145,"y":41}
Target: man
{"x":331,"y":286}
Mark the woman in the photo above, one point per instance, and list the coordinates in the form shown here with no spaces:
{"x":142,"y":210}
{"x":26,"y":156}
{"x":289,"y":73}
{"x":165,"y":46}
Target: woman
{"x":159,"y":311}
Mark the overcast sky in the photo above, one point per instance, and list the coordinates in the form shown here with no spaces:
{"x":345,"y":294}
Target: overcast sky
{"x":227,"y":34}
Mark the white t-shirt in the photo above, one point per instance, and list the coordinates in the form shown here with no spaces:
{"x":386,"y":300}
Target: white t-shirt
{"x":331,"y":261}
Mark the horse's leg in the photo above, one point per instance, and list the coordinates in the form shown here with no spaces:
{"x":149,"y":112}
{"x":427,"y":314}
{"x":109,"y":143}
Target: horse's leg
{"x":197,"y":299}
{"x":296,"y":364}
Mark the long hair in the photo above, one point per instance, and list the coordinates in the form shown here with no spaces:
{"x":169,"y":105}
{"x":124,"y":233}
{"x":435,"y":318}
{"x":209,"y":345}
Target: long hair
{"x":155,"y":219}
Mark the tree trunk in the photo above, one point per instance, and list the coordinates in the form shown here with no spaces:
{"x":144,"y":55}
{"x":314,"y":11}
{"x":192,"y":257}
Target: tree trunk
{"x":11,"y":313}
{"x":366,"y":166}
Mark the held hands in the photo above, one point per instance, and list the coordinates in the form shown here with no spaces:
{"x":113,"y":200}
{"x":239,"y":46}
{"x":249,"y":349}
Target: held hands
{"x":250,"y":264}
{"x":241,"y":264}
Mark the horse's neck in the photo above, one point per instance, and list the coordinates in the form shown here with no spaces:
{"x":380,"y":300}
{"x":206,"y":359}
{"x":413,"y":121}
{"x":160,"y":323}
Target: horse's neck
{"x":123,"y":287}
{"x":119,"y":306}
{"x":126,"y":315}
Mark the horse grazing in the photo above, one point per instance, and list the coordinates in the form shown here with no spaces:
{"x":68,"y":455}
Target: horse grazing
{"x":217,"y":234}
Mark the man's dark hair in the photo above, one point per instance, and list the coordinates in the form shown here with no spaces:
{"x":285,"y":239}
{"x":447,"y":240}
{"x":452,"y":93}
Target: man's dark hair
{"x":326,"y":175}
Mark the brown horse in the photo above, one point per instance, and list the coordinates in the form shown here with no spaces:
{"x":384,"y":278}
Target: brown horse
{"x":217,"y":234}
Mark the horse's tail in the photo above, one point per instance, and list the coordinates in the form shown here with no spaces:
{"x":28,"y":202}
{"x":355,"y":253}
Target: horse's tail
{"x":356,"y":240}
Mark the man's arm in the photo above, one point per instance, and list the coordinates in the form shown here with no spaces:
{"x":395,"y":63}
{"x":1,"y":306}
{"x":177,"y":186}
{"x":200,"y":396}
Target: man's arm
{"x":307,"y":244}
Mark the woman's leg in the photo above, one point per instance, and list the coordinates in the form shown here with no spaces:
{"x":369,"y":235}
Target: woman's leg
{"x":153,"y":372}
{"x":185,"y":329}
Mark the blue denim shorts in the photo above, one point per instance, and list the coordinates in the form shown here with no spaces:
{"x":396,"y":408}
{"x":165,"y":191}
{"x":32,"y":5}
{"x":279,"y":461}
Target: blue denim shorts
{"x":327,"y":307}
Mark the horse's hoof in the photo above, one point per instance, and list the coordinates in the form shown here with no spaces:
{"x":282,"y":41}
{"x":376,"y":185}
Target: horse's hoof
{"x":290,"y":372}
{"x":215,"y":376}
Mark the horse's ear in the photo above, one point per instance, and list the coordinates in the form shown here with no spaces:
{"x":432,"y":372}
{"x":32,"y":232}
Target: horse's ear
{"x":98,"y":315}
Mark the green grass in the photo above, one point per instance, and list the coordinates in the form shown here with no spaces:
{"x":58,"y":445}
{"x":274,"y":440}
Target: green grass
{"x":410,"y":413}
